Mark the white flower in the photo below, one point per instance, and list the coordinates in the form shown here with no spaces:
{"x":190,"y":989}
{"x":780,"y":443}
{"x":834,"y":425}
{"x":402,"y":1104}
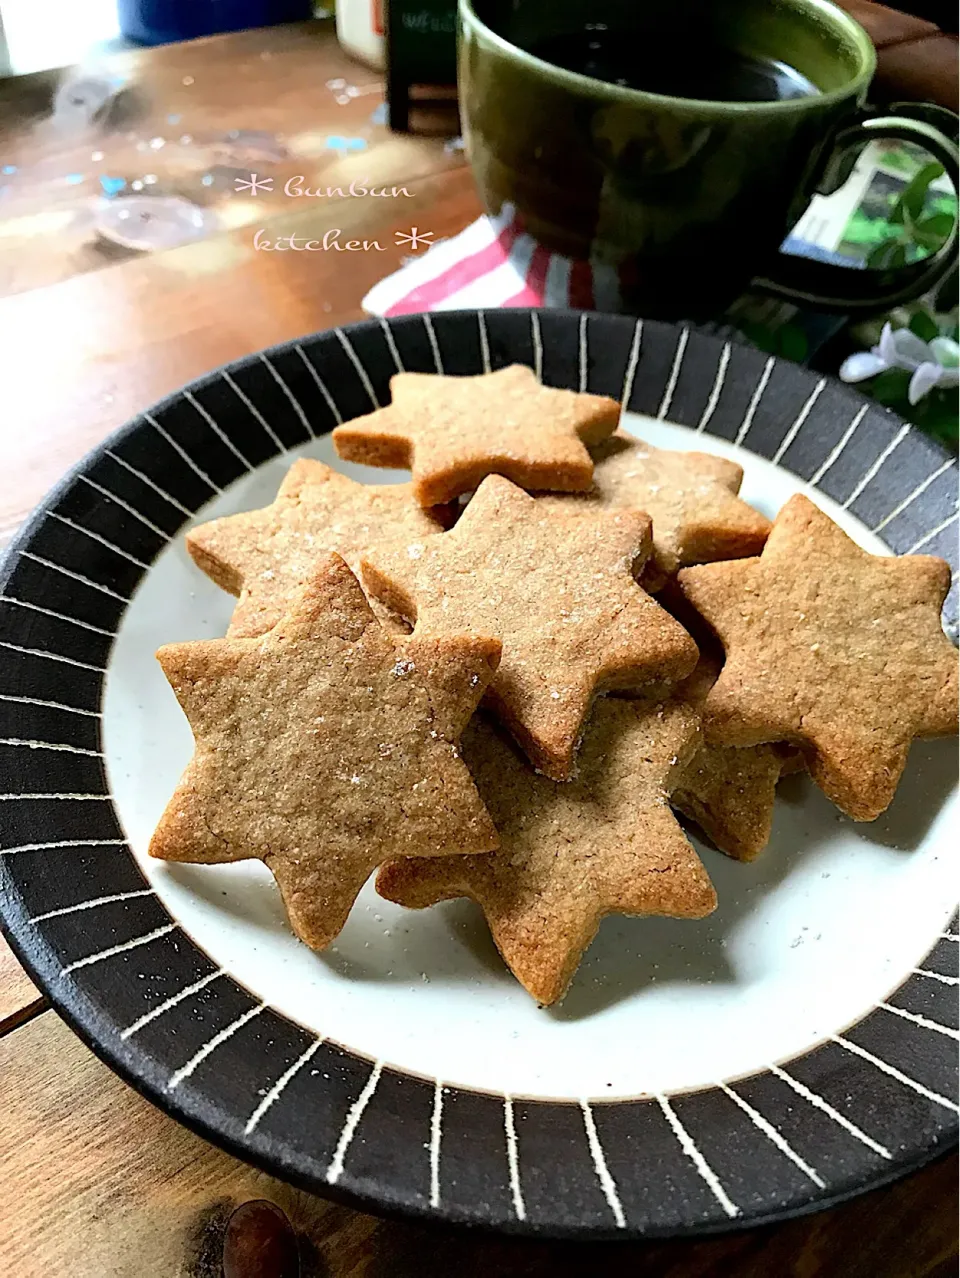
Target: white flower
{"x":932,"y":364}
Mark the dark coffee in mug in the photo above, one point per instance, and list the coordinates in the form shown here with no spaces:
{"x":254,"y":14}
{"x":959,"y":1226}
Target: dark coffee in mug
{"x":670,"y":145}
{"x":699,"y":68}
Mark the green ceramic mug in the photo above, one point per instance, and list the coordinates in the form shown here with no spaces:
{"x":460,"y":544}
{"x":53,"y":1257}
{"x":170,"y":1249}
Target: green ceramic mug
{"x":688,"y":199}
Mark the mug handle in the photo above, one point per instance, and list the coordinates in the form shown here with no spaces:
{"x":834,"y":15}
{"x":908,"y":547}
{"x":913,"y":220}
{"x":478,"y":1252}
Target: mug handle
{"x":827,"y":287}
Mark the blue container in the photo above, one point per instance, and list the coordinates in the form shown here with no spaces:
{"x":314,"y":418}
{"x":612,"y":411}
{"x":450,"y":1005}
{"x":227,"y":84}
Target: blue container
{"x":166,"y":21}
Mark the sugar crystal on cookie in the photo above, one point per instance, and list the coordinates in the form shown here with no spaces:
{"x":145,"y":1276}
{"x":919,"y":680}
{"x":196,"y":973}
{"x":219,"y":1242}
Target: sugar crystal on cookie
{"x":453,"y":431}
{"x":559,"y":591}
{"x":289,"y":765}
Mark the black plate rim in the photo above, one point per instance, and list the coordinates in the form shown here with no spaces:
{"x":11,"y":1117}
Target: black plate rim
{"x":92,"y":1025}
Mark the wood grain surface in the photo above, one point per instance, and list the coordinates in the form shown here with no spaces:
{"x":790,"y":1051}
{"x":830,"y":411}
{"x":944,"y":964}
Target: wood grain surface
{"x":191,"y":119}
{"x":106,"y":1186}
{"x":97,"y":1183}
{"x":83,"y":356}
{"x":19,"y":997}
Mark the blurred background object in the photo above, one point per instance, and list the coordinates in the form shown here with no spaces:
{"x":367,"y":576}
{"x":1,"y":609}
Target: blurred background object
{"x":36,"y":35}
{"x":164,"y":21}
{"x":916,"y":43}
{"x":360,"y":29}
{"x":192,"y":122}
{"x":4,"y":51}
{"x":184,"y":124}
{"x":55,"y":32}
{"x":421,"y":53}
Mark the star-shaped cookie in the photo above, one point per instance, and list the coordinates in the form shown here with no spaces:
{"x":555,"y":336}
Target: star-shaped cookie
{"x":691,"y":498}
{"x":832,"y":648}
{"x":571,"y":853}
{"x":266,"y":555}
{"x":558,"y":590}
{"x":325,"y":747}
{"x":729,"y":791}
{"x":453,"y":431}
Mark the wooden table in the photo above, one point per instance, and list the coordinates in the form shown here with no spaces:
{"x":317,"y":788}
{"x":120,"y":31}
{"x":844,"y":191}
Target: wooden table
{"x":97,"y":1183}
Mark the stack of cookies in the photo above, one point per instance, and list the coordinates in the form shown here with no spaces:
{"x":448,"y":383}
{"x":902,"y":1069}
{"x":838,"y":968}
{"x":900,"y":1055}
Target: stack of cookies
{"x":504,"y":678}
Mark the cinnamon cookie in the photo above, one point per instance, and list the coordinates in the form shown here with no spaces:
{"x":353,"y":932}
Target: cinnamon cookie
{"x":558,"y":590}
{"x":691,"y":498}
{"x":325,"y":747}
{"x":266,"y":555}
{"x":453,"y":431}
{"x":729,"y":791}
{"x":834,"y":649}
{"x":570,"y":853}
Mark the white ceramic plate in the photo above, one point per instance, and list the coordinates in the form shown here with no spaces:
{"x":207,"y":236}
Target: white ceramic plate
{"x":796,"y":1046}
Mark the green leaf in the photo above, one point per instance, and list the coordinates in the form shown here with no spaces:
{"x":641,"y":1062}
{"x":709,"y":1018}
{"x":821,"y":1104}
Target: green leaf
{"x":862,"y":229}
{"x":914,"y":195}
{"x":758,"y":334}
{"x":879,"y":257}
{"x":890,"y":387}
{"x":943,"y":202}
{"x":947,"y":434}
{"x":939,"y":225}
{"x":793,"y":343}
{"x":925,"y":244}
{"x":895,"y":159}
{"x":887,"y":256}
{"x":924,"y":327}
{"x":937,"y":415}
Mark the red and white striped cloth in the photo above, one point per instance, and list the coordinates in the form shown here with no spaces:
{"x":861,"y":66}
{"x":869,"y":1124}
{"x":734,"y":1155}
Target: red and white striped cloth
{"x":494,"y":263}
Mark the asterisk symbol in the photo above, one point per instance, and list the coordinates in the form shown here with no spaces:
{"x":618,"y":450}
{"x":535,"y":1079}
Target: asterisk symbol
{"x":415,"y":239}
{"x":254,"y":185}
